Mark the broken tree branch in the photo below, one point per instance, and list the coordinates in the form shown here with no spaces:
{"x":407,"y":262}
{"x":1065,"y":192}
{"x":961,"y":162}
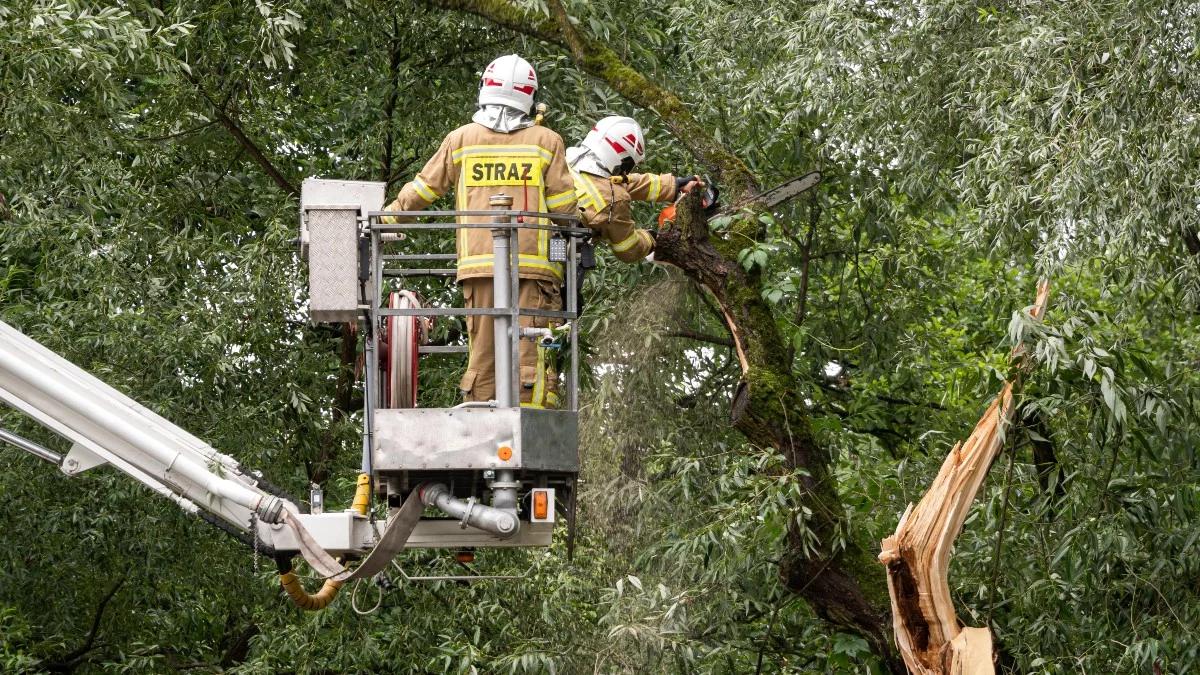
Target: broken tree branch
{"x":917,"y":556}
{"x":701,"y":337}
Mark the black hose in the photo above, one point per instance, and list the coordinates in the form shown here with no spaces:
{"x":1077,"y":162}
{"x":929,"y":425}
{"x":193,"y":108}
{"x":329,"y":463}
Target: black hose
{"x":238,"y":535}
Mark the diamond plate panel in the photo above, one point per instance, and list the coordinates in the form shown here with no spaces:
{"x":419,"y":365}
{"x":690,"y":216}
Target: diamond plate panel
{"x":333,"y":264}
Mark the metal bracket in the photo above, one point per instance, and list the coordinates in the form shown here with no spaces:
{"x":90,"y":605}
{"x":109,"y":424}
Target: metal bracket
{"x":462,"y":524}
{"x":80,"y":459}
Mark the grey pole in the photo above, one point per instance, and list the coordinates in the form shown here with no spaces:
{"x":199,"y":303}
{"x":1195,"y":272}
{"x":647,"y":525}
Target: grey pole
{"x":39,"y":451}
{"x":372,"y":325}
{"x":502,"y":300}
{"x":504,"y":244}
{"x":573,"y":309}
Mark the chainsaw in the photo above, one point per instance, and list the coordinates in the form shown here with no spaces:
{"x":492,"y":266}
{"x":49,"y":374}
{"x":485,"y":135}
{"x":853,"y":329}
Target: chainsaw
{"x":771,"y":198}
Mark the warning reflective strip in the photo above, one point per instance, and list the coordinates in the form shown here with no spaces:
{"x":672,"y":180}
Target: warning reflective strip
{"x":655,"y":187}
{"x":560,"y":199}
{"x":626,"y":243}
{"x":501,"y":151}
{"x":588,"y":188}
{"x":582,"y":199}
{"x":460,"y":199}
{"x":423,"y":189}
{"x":597,"y":200}
{"x":474,"y":263}
{"x":539,"y":378}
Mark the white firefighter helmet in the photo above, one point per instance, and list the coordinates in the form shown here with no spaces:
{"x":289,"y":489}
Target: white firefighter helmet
{"x":617,"y":143}
{"x":509,"y":80}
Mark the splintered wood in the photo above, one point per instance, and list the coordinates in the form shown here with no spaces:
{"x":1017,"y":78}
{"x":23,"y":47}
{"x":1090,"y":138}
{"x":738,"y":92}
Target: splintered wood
{"x":917,"y":556}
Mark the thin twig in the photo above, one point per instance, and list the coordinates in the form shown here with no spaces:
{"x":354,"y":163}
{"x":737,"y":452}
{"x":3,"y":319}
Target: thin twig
{"x":814,"y":216}
{"x":69,"y":661}
{"x":1012,"y":453}
{"x":243,"y":140}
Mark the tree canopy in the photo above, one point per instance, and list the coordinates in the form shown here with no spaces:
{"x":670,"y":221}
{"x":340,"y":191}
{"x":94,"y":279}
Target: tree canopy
{"x":756,"y":417}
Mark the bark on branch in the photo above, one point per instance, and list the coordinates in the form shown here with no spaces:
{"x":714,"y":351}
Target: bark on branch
{"x":837,"y":579}
{"x":68,"y":662}
{"x":822,"y":562}
{"x":231,"y":125}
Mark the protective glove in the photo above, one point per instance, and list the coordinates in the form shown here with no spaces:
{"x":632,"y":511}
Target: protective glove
{"x":685,"y":183}
{"x":394,"y":206}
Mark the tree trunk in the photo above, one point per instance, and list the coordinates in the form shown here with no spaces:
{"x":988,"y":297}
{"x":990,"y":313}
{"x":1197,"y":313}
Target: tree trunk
{"x":822,"y":562}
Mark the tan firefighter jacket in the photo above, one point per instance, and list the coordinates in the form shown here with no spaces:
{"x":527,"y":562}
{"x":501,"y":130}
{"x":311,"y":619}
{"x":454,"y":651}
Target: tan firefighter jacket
{"x":527,"y":164}
{"x":605,"y":207}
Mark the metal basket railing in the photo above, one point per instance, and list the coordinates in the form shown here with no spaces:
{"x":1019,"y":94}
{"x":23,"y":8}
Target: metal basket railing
{"x":505,"y":225}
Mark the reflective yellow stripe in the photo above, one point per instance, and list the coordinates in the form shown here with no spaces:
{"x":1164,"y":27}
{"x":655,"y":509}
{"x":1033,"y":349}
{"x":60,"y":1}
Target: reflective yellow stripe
{"x":460,"y":198}
{"x":485,"y":262}
{"x":598,"y":202}
{"x":655,"y":187}
{"x":586,"y":189}
{"x":503,"y":151}
{"x":422,"y":189}
{"x":551,"y":402}
{"x":626,"y":243}
{"x":555,"y":201}
{"x":539,"y":379}
{"x":582,"y":199}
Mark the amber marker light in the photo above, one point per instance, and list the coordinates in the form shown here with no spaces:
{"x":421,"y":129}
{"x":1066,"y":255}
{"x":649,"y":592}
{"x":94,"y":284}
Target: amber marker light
{"x":504,"y":453}
{"x":540,"y":504}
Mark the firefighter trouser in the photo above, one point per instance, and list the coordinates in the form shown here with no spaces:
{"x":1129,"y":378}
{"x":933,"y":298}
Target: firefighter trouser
{"x":539,"y":380}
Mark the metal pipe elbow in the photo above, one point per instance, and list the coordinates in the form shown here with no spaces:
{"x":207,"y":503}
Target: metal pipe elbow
{"x":500,"y":522}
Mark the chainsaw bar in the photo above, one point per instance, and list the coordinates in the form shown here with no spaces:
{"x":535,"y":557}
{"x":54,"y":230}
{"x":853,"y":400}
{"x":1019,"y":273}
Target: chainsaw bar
{"x":780,"y":193}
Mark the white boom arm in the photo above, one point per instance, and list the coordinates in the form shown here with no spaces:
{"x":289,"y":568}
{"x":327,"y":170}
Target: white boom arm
{"x":106,"y":426}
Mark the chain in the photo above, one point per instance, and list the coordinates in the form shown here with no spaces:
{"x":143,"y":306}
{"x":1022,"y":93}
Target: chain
{"x":254,"y":533}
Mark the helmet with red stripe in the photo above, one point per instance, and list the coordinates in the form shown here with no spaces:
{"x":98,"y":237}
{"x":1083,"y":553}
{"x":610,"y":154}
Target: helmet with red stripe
{"x":510,"y":81}
{"x":617,"y":143}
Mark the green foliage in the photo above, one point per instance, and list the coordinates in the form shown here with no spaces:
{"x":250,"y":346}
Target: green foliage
{"x":967,"y":151}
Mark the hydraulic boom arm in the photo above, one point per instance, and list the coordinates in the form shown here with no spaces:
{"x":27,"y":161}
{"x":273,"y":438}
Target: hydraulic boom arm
{"x":107,"y":427}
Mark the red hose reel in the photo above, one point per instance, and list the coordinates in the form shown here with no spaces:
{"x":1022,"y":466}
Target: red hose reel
{"x":400,"y":350}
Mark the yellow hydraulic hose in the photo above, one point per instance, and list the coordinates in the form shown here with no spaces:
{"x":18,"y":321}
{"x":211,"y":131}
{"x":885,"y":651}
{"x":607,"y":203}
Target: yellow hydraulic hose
{"x":362,"y":494}
{"x":329,"y":590}
{"x":303,"y":599}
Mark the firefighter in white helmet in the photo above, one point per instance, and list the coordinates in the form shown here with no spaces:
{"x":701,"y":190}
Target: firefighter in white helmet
{"x":604,"y":186}
{"x":502,"y":151}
